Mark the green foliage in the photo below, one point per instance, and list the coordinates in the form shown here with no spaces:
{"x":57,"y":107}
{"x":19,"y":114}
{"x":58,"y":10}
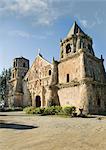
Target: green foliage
{"x":69,"y":110}
{"x":51,"y":110}
{"x":58,"y":109}
{"x":4,"y":78}
{"x":33,"y":110}
{"x":39,"y":110}
{"x":30,"y":110}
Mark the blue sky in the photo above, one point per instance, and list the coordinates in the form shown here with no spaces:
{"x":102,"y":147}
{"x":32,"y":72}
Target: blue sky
{"x":29,"y":25}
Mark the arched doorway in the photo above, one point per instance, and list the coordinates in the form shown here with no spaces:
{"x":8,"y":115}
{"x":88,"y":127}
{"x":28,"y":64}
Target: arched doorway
{"x":38,"y":101}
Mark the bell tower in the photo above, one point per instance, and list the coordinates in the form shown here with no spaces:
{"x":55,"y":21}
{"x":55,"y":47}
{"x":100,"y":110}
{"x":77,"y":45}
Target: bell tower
{"x":19,"y":70}
{"x":82,"y":77}
{"x":75,"y":40}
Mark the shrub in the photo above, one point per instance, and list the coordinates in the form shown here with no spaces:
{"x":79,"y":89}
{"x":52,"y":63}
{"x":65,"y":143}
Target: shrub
{"x":39,"y":110}
{"x":58,"y":110}
{"x":69,"y":110}
{"x":30,"y":110}
{"x":49,"y":110}
{"x":52,"y":110}
{"x":33,"y":110}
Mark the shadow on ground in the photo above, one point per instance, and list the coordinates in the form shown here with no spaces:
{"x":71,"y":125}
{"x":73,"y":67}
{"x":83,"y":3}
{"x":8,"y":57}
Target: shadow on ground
{"x":15,"y":114}
{"x":16,"y":126}
{"x":3,"y":115}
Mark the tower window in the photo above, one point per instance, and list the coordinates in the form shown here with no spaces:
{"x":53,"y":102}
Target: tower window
{"x":24,"y":65}
{"x":14,"y":64}
{"x":13,"y":75}
{"x":49,"y":72}
{"x":99,"y":102}
{"x":89,"y":47}
{"x":68,"y":48}
{"x":68,"y":78}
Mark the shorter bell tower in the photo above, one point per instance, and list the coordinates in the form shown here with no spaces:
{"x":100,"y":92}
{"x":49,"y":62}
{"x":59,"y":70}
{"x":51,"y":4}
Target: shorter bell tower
{"x":19,"y":70}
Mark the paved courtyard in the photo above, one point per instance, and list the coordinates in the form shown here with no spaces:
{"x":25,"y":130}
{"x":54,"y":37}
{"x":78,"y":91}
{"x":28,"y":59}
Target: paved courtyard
{"x":19,"y":131}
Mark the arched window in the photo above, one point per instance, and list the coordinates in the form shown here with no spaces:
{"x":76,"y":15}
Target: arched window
{"x":49,"y":72}
{"x":14,"y":64}
{"x":68,"y":78}
{"x":24,"y":65}
{"x":99,"y":102}
{"x":13,"y":75}
{"x":89,"y":47}
{"x":68,"y":48}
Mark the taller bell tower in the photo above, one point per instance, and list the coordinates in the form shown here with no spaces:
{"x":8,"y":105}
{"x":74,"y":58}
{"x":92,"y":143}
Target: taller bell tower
{"x":75,"y":40}
{"x":81,"y":75}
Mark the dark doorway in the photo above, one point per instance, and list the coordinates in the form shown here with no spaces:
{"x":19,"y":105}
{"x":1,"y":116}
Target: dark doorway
{"x":38,"y":101}
{"x":99,"y":102}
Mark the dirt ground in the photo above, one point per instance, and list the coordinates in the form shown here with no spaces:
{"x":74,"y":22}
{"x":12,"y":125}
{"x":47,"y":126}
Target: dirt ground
{"x":19,"y":131}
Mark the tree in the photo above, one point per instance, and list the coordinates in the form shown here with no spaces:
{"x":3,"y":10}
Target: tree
{"x":4,"y":78}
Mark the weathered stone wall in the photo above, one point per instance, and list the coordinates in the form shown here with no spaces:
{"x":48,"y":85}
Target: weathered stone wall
{"x":94,"y":68}
{"x":19,"y":70}
{"x":87,"y":84}
{"x":96,"y":83}
{"x":18,"y":97}
{"x":26,"y":95}
{"x":20,"y":63}
{"x":70,"y":66}
{"x":69,"y":96}
{"x":96,"y":98}
{"x":73,"y":92}
{"x":37,"y":80}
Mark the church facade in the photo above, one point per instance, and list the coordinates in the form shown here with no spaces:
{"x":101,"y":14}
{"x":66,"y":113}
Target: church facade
{"x":77,"y":79}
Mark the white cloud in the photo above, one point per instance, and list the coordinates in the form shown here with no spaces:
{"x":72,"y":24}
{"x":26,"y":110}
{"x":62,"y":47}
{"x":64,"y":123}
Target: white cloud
{"x":23,"y":7}
{"x":90,"y":22}
{"x":20,"y":33}
{"x":98,"y":17}
{"x":87,"y":23}
{"x":41,"y":11}
{"x":45,"y":12}
{"x":84,"y":23}
{"x":27,"y":35}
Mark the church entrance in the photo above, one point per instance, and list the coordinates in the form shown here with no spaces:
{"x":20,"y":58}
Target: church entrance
{"x":38,"y":101}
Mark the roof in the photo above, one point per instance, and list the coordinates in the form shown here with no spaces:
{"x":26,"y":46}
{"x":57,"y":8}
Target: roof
{"x":74,"y":30}
{"x":20,"y":58}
